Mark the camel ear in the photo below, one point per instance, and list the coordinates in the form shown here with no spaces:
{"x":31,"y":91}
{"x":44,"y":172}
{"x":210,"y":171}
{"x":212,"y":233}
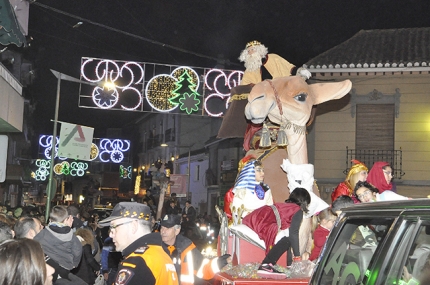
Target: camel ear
{"x":330,"y":91}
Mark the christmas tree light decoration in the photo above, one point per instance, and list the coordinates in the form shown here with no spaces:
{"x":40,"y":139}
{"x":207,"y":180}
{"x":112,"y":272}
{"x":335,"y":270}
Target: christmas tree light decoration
{"x":123,"y":85}
{"x":65,"y":168}
{"x":78,"y":168}
{"x":193,"y":76}
{"x":159,"y":91}
{"x":185,"y":94}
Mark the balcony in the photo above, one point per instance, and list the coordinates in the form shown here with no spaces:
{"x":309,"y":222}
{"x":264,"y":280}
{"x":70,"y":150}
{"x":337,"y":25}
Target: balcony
{"x":370,"y":156}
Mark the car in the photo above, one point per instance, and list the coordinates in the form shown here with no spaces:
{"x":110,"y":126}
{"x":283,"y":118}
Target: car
{"x":370,"y":243}
{"x":377,"y":243}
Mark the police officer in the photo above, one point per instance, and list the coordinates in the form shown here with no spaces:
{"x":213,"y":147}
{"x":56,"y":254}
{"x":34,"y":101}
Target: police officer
{"x":188,"y":260}
{"x":145,"y":261}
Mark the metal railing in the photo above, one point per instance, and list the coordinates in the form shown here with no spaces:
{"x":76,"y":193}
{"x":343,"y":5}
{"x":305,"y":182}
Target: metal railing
{"x":370,"y":156}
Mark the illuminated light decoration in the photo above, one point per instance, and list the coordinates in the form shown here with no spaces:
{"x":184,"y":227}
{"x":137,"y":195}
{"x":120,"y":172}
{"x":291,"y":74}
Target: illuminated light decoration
{"x":125,"y":172}
{"x":189,"y":103}
{"x":65,"y":168}
{"x":78,"y":168}
{"x":193,"y":76}
{"x":112,"y":75}
{"x":131,"y":85}
{"x":106,"y":97}
{"x":58,"y":168}
{"x":185,"y":94}
{"x":94,"y":152}
{"x":43,"y":169}
{"x":46,"y":142}
{"x":159,"y":91}
{"x":137,"y":184}
{"x":230,"y":81}
{"x":113,"y":149}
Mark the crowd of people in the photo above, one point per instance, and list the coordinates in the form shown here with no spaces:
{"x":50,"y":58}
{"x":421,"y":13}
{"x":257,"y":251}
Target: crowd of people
{"x":76,"y":245}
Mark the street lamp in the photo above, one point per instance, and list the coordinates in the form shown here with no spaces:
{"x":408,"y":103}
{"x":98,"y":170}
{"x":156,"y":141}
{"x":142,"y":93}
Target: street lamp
{"x":189,"y":163}
{"x":49,"y":191}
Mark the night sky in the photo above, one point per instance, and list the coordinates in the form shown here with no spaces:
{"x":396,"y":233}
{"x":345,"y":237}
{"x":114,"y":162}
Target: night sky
{"x":194,"y":33}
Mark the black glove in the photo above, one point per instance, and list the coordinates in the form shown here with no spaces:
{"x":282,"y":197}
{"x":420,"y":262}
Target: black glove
{"x":222,"y":260}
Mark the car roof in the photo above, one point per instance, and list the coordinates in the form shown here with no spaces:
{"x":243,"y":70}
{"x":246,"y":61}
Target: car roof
{"x":399,"y":205}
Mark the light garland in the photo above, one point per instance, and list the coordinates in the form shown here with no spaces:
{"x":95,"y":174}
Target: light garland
{"x":162,"y":92}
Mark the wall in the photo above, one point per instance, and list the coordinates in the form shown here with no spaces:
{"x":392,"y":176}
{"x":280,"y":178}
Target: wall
{"x":335,"y":127}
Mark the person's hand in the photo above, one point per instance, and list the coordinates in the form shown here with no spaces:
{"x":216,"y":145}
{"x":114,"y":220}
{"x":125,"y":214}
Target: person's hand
{"x":406,"y":275}
{"x":106,"y":276}
{"x":305,"y":255}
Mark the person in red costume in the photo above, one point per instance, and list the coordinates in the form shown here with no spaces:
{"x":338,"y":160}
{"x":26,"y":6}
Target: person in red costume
{"x":358,"y":172}
{"x":268,"y":220}
{"x":326,"y":220}
{"x":380,"y":176}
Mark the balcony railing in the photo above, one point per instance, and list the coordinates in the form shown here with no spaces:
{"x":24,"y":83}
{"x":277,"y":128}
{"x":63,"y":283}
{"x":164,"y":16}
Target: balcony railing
{"x":370,"y":156}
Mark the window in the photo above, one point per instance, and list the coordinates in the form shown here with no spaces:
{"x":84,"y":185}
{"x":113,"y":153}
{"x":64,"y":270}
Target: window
{"x":352,"y":252}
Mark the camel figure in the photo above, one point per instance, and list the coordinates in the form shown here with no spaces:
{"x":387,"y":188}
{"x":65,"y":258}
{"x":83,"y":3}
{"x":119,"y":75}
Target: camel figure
{"x":287,"y":102}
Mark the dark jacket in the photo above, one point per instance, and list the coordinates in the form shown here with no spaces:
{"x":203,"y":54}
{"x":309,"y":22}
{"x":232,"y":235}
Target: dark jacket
{"x":88,"y":265}
{"x":60,"y":244}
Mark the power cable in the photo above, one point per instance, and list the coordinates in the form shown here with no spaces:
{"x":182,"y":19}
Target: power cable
{"x":124,"y":32}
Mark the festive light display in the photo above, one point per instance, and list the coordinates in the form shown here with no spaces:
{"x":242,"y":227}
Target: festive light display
{"x":43,"y":169}
{"x":113,"y":150}
{"x":78,"y":168}
{"x":113,"y":81}
{"x":108,"y":150}
{"x":126,"y":85}
{"x":159,"y":91}
{"x":222,"y":80}
{"x":125,"y":172}
{"x":185,"y":94}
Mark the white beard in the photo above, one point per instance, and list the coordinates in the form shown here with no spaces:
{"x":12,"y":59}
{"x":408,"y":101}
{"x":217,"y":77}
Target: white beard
{"x":252,"y":61}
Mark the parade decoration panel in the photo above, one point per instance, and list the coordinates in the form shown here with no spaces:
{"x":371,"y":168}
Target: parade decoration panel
{"x":103,"y":150}
{"x":151,"y":87}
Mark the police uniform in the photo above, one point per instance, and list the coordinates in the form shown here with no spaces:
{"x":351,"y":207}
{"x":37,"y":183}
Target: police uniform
{"x":146,"y":263}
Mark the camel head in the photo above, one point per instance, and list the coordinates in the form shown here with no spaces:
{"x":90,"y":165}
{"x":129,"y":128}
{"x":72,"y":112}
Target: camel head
{"x":290,"y":99}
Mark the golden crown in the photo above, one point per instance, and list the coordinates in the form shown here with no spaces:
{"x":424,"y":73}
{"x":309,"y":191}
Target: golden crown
{"x":252,"y":43}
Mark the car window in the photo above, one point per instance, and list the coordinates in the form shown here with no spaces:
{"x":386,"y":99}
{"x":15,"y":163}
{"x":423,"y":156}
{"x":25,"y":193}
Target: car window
{"x":353,"y":249}
{"x":410,"y":260}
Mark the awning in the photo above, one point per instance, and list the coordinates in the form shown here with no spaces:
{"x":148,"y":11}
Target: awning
{"x":10,"y":31}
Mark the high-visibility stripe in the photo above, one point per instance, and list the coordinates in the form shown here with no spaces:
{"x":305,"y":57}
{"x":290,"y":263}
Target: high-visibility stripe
{"x":200,"y":272}
{"x":189,"y":278}
{"x":129,"y":264}
{"x":214,"y":265}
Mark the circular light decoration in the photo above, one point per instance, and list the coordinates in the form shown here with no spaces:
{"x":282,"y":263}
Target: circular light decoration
{"x":194,"y":77}
{"x":114,"y":149}
{"x":94,"y":152}
{"x":105,"y":97}
{"x":78,"y":168}
{"x":159,"y":91}
{"x":116,"y":156}
{"x":43,"y":169}
{"x":57,"y":168}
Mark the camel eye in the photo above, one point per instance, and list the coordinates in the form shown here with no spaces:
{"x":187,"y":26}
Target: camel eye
{"x":301,"y":97}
